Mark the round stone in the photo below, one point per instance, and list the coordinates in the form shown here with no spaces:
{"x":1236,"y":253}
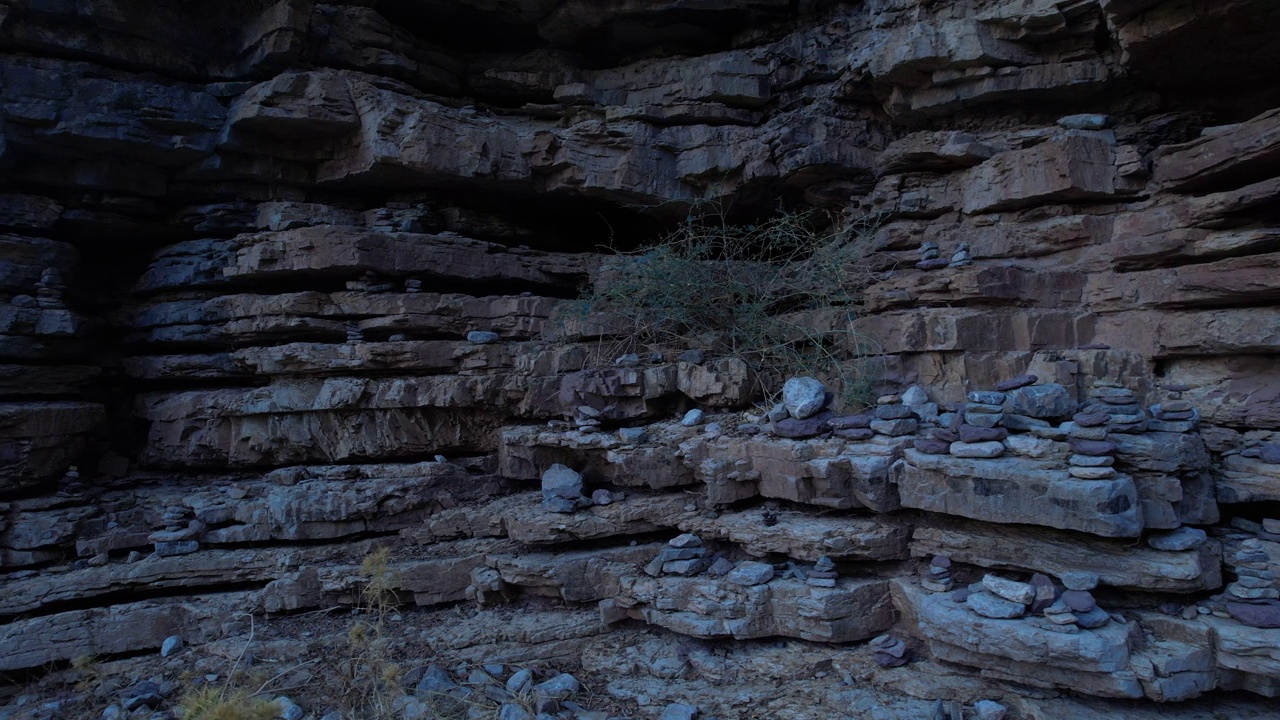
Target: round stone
{"x":803,"y":396}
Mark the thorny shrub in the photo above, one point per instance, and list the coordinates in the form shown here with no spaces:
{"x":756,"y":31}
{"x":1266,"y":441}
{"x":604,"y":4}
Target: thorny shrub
{"x":781,"y":295}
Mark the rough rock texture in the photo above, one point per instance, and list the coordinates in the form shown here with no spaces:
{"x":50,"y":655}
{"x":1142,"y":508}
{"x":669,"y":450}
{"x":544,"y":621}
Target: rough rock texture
{"x":285,"y":282}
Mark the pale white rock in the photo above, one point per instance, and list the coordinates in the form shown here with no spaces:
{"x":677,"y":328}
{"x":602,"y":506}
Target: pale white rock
{"x":803,"y":396}
{"x":988,"y":605}
{"x":1031,"y":446}
{"x":751,"y":573}
{"x":989,"y":449}
{"x":1010,"y":590}
{"x":915,"y":395}
{"x":989,"y":710}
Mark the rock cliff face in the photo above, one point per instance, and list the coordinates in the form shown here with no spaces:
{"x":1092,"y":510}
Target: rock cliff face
{"x":279,"y":283}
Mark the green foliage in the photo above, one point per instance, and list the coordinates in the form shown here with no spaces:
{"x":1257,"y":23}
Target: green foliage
{"x":780,"y":295}
{"x":211,"y":703}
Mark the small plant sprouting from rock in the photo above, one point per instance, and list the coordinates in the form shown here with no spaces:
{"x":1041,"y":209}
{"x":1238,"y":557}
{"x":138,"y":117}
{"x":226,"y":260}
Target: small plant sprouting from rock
{"x":212,"y":703}
{"x":371,"y":679}
{"x":781,"y":295}
{"x":229,"y":701}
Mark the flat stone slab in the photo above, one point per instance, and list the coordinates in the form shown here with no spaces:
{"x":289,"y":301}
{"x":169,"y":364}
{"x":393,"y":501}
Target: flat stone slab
{"x":1018,"y":490}
{"x":803,"y":536}
{"x":1092,"y":661}
{"x":855,"y":609}
{"x":1117,"y":563}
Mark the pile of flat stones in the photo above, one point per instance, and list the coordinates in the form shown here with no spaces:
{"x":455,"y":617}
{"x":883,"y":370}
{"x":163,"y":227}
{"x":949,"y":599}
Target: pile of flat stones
{"x":1092,"y":454}
{"x":888,"y":651}
{"x":1064,"y":611}
{"x":1173,"y":414}
{"x":685,"y":556}
{"x":937,"y":576}
{"x":1252,"y":551}
{"x":1120,"y":403}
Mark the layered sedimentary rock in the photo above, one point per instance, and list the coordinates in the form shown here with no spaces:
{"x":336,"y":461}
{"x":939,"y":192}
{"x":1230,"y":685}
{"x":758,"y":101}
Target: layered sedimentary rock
{"x":285,"y":282}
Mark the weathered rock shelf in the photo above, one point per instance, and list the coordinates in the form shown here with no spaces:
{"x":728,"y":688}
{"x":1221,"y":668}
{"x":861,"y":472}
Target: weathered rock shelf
{"x":286,"y":283}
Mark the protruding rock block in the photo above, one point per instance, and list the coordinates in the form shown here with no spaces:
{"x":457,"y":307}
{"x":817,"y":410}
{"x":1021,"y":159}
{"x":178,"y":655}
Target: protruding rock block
{"x":1116,"y":563}
{"x":1018,"y":490}
{"x":39,"y":440}
{"x":527,"y":450}
{"x":855,"y":609}
{"x":1243,"y":479}
{"x":1073,"y":168}
{"x":1224,"y":159}
{"x":1090,"y":661}
{"x":803,"y":536}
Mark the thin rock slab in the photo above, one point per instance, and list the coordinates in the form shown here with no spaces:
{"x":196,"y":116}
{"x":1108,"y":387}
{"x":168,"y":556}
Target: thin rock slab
{"x":1094,"y":662}
{"x":991,"y":606}
{"x":1116,"y":563}
{"x":1019,"y":490}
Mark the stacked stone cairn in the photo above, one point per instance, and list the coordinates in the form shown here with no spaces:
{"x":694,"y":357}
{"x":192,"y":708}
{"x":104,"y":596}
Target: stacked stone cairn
{"x":1255,"y":573}
{"x":823,"y":573}
{"x":1173,"y":414}
{"x":931,"y":258}
{"x":1121,"y":403}
{"x":1067,"y":611}
{"x":803,"y":411}
{"x":1253,"y":598}
{"x":894,"y":418}
{"x":961,"y":257}
{"x":980,"y":432}
{"x":413,"y":286}
{"x":1092,"y":454}
{"x":889,"y":651}
{"x":50,"y":289}
{"x":685,"y":556}
{"x":937,"y":576}
{"x":586,"y":418}
{"x":354,"y":334}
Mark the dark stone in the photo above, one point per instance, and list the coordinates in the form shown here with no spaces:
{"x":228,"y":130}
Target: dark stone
{"x":1046,"y":593}
{"x":1259,"y":615}
{"x":971,"y":434}
{"x":1017,"y":382}
{"x":1095,"y":346}
{"x":1177,"y":415}
{"x":854,"y":433}
{"x":1091,"y":419}
{"x":960,"y":595}
{"x":850,"y":421}
{"x":1175,"y":387}
{"x":940,"y":561}
{"x":691,"y":356}
{"x":1094,"y":448}
{"x":894,"y":412}
{"x":884,"y":659}
{"x":932,"y":447}
{"x":934,"y":264}
{"x":1095,"y":618}
{"x":1080,"y":601}
{"x":944,"y":435}
{"x":1270,"y":454}
{"x":806,"y":428}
